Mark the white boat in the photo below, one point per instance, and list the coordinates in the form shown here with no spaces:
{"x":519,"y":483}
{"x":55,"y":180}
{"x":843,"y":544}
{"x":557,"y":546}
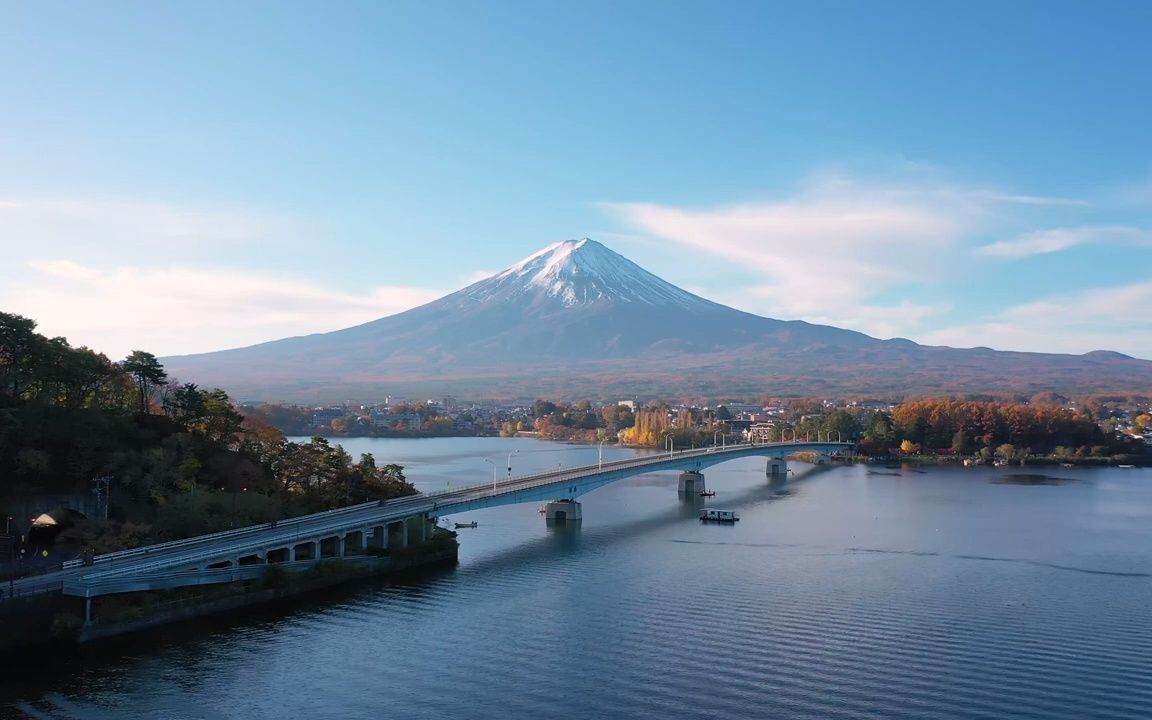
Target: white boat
{"x":724,"y":516}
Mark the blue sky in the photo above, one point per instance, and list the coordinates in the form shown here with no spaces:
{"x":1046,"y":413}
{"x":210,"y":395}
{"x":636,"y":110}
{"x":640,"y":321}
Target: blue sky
{"x":183,"y":177}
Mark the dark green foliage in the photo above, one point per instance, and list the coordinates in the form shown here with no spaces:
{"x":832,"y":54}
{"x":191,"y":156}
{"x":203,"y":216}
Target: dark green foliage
{"x":148,"y":372}
{"x":69,"y":415}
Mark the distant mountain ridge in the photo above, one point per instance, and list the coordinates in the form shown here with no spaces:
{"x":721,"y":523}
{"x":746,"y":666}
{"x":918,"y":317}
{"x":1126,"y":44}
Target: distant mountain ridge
{"x":577,"y":318}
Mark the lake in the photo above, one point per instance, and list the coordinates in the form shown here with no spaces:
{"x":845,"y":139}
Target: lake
{"x":846,"y":592}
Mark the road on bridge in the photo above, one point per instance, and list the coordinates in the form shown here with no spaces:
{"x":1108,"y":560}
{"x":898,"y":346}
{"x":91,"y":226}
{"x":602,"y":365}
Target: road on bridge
{"x":207,"y":548}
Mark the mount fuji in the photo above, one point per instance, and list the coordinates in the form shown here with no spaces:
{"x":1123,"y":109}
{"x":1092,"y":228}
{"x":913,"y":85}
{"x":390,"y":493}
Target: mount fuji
{"x":577,"y":319}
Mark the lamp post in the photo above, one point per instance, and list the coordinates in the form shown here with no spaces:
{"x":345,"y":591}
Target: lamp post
{"x":670,"y":444}
{"x":11,"y":558}
{"x":514,"y":452}
{"x":600,"y":455}
{"x":493,"y":464}
{"x":720,"y":433}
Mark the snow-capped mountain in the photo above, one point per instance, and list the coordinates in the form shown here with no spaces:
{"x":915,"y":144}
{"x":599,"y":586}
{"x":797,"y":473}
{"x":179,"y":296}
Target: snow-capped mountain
{"x":580,"y":272}
{"x":579,"y":319}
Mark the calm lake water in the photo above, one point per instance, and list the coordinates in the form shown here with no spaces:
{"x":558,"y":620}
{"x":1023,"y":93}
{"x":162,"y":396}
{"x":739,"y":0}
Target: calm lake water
{"x":849,"y":592}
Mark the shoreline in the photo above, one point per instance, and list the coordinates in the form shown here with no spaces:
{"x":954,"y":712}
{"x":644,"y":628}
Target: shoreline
{"x":54,"y":620}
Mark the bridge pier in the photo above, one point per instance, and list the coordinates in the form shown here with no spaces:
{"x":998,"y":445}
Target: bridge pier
{"x":376,"y":537}
{"x":691,"y":483}
{"x":777,"y":468}
{"x":561,"y":512}
{"x":396,"y":537}
{"x":822,"y":459}
{"x":416,"y":530}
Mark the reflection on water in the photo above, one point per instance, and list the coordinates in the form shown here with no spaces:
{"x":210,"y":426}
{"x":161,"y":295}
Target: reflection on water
{"x":1029,"y":479}
{"x":840,"y":594}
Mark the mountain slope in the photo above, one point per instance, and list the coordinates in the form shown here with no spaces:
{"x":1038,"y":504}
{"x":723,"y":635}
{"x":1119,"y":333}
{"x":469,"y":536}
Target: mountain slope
{"x":578,"y":318}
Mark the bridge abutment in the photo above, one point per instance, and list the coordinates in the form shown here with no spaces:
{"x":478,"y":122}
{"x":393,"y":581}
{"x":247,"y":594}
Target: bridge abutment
{"x":777,"y":468}
{"x":561,"y":512}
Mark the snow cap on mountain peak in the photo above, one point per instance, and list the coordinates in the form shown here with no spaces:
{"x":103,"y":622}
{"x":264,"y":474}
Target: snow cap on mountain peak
{"x":583,"y":271}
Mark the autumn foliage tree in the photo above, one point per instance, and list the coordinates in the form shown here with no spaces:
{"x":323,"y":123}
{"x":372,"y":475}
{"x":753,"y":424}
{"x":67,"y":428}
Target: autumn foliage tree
{"x":942,"y":423}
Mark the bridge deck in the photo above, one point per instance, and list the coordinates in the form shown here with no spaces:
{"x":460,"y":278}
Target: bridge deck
{"x":571,"y":482}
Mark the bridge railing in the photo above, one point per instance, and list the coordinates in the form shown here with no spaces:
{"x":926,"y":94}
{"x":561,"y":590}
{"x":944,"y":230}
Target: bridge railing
{"x":516,"y":484}
{"x":224,"y":534}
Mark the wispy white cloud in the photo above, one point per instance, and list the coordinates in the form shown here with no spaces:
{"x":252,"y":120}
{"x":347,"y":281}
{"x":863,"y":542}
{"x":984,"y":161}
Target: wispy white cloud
{"x":1113,"y":318}
{"x":826,"y":253}
{"x":180,"y":310}
{"x":1043,"y":200}
{"x":127,"y":229}
{"x":1057,"y":239}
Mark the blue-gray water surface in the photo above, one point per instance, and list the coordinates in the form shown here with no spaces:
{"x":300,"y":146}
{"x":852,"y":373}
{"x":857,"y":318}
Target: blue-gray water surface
{"x":848,"y":592}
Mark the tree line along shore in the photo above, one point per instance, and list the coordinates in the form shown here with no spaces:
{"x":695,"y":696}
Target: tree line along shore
{"x":185,"y":460}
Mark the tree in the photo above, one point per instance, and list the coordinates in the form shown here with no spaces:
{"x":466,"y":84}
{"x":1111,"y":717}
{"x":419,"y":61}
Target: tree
{"x":908,"y":447}
{"x":17,"y":339}
{"x":185,"y":404}
{"x":148,"y":373}
{"x":220,"y":422}
{"x":960,"y":443}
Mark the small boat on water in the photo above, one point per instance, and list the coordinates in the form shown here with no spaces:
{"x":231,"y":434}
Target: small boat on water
{"x":1126,"y":466}
{"x":708,"y":493}
{"x":723,"y":516}
{"x":466,"y":525}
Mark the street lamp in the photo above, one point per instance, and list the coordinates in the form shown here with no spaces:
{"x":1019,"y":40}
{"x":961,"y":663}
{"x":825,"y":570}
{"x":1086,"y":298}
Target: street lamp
{"x":670,"y":444}
{"x":514,"y":452}
{"x":493,"y":464}
{"x":11,"y":558}
{"x":600,"y":456}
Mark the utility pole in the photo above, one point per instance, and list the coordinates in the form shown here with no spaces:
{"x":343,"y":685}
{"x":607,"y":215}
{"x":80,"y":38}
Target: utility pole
{"x":100,"y":487}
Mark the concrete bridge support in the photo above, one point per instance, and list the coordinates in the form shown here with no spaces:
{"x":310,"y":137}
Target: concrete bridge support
{"x":562,"y":512}
{"x":376,"y":537}
{"x":822,"y":459}
{"x":396,"y":536}
{"x":777,"y":468}
{"x":691,"y":483}
{"x":416,"y":529}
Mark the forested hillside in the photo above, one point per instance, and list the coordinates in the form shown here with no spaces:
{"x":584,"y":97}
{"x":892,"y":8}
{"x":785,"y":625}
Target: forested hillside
{"x":181,"y":460}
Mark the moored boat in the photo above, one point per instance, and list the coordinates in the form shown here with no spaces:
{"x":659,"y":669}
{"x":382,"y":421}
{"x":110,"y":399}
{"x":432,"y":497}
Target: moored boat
{"x":467,"y":525}
{"x":723,"y":516}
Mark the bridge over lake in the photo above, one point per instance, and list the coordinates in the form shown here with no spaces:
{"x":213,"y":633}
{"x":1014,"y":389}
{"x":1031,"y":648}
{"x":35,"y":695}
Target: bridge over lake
{"x":244,"y":553}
